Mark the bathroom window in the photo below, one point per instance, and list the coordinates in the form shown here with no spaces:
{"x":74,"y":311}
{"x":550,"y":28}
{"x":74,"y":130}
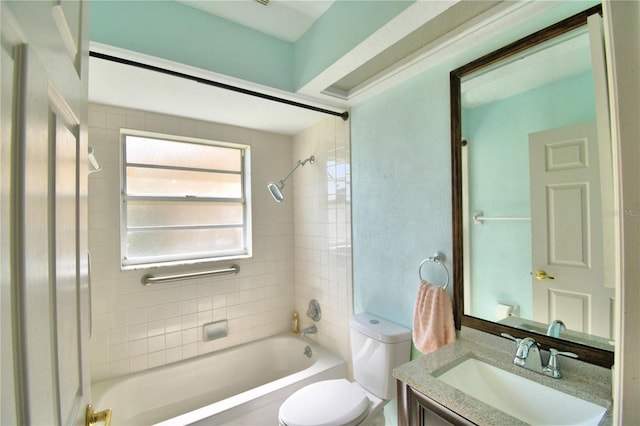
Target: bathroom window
{"x":184,"y":200}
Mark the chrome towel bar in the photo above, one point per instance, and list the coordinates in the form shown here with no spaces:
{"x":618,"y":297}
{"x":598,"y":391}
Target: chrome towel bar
{"x":479,"y":218}
{"x":149,"y":279}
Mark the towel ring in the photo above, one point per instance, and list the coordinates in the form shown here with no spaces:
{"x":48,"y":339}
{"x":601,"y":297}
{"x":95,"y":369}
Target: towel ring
{"x":436,"y":258}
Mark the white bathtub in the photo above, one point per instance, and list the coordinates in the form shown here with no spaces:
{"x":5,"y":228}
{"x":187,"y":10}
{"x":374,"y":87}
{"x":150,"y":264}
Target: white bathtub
{"x":242,"y":385}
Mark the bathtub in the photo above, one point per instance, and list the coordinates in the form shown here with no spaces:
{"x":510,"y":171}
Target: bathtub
{"x":242,"y":385}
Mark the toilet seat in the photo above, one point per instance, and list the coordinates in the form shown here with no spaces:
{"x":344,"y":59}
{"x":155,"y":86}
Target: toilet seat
{"x":329,"y":402}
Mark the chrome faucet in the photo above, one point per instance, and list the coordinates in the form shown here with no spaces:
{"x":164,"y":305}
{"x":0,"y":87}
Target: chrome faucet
{"x":309,"y":330}
{"x":528,"y":356}
{"x":555,"y":328}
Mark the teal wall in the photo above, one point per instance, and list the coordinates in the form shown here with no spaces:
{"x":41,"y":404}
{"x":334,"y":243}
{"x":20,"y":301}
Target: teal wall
{"x":498,"y":151}
{"x":345,"y":25}
{"x":401,"y":180}
{"x":401,"y":187}
{"x":179,"y":33}
{"x":173,"y":31}
{"x":401,"y":184}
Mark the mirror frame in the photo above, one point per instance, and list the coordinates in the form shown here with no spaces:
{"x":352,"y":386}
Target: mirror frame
{"x":585,"y":353}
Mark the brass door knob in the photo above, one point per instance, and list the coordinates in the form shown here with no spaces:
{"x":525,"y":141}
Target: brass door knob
{"x":542,"y":275}
{"x":95,"y":417}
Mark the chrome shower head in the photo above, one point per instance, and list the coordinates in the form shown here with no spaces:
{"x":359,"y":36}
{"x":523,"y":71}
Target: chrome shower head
{"x":276,"y":190}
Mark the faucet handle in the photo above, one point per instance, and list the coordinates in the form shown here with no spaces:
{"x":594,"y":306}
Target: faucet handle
{"x":552,"y":369}
{"x":553,"y":353}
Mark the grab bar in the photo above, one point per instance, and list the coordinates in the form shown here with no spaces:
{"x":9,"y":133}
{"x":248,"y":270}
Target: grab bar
{"x":149,"y":279}
{"x":478,"y":218}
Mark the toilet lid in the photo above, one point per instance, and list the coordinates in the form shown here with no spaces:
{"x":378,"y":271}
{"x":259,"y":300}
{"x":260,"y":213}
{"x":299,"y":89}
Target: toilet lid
{"x":330,"y":402}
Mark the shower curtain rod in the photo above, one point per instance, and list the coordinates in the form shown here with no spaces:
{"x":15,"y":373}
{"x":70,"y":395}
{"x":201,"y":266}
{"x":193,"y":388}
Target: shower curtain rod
{"x":344,"y":115}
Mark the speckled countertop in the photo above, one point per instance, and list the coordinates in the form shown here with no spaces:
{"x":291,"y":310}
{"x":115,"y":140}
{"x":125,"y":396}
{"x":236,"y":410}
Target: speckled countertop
{"x":586,"y":381}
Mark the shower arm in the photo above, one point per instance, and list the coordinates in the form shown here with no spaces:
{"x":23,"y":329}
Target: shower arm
{"x":300,"y":163}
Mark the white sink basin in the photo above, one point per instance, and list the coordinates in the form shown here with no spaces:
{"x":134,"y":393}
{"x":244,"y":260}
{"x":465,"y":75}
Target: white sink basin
{"x":522,"y":398}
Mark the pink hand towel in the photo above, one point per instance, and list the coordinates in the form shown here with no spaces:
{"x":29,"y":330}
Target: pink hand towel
{"x":432,"y":318}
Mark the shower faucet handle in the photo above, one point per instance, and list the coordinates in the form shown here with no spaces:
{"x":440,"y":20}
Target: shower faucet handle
{"x":313,"y":311}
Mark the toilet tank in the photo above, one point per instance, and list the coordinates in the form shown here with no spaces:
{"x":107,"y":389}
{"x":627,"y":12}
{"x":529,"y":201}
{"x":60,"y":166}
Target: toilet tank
{"x":377,"y":347}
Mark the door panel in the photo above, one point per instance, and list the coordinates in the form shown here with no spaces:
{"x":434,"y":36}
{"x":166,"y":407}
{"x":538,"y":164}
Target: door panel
{"x":568,"y":239}
{"x":567,"y":230}
{"x":574,"y":307}
{"x":8,"y":411}
{"x":34,"y":248}
{"x":47,"y":289}
{"x":64,"y":172}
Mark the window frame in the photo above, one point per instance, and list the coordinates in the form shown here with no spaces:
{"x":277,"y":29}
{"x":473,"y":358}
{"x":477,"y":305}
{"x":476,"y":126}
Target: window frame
{"x":147,"y":262}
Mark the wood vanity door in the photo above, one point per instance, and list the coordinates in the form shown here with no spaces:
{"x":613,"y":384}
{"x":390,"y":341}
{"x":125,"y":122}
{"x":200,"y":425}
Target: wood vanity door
{"x":416,"y":409}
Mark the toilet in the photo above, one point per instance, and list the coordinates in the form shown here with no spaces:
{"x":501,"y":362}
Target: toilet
{"x":377,"y":347}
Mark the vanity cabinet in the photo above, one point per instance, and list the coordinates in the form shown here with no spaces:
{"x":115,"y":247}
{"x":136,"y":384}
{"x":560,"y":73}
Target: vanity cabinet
{"x":416,"y":409}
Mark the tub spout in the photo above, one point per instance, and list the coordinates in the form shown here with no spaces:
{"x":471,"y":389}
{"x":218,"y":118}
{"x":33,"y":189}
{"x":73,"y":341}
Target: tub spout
{"x":309,"y":330}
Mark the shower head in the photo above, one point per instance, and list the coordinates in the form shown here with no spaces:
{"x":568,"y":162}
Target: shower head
{"x":276,"y":189}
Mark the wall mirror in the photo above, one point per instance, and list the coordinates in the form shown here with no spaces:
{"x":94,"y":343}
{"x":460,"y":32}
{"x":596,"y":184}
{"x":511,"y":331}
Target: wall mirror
{"x":533,"y":191}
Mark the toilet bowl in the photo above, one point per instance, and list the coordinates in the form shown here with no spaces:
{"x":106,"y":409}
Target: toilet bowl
{"x":377,"y":347}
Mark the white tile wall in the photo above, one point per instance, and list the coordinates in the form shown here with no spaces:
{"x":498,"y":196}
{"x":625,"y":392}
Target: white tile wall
{"x":322,"y":218}
{"x":136,"y":327}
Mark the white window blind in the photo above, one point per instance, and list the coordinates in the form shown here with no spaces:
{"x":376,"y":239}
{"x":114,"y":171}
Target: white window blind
{"x":184,"y":200}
